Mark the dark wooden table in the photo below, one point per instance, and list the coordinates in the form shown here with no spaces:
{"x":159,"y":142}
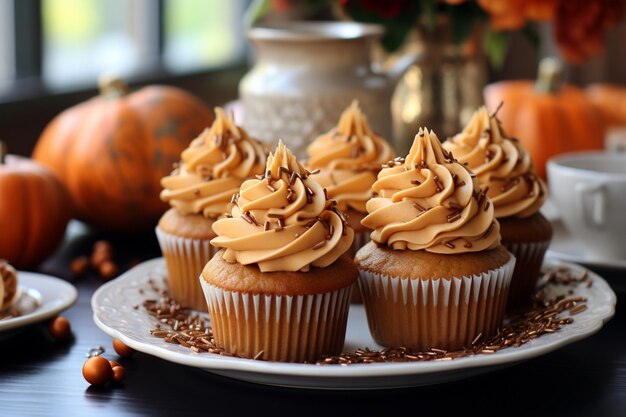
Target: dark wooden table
{"x":39,"y":376}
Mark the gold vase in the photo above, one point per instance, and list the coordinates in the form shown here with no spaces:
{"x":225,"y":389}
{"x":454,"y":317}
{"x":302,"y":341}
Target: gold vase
{"x":442,"y":89}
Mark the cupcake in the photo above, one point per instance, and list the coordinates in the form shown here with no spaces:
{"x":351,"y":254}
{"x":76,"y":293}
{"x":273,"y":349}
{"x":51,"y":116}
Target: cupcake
{"x":349,"y":157}
{"x":199,"y":191}
{"x":435,"y":274}
{"x":505,"y":169}
{"x":8,"y":285}
{"x":279,"y":290}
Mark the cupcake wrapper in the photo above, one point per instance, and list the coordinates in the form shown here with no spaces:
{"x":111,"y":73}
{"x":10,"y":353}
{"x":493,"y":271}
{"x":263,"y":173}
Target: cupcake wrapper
{"x":527,"y":270}
{"x":299,"y":328}
{"x":185,"y":258}
{"x":360,"y":239}
{"x":441,"y":313}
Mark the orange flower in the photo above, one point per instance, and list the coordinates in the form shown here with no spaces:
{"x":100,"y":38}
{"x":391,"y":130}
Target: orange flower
{"x":512,"y":14}
{"x":580,"y":25}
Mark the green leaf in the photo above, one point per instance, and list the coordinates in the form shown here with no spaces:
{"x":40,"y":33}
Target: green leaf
{"x":429,"y":10}
{"x":496,"y":45}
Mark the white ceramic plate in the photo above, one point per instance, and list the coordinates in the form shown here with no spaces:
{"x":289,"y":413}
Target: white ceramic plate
{"x":566,"y":247}
{"x":41,"y":297}
{"x":114,"y":313}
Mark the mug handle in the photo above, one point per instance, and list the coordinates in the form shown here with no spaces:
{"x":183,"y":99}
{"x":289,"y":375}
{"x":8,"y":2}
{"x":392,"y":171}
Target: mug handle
{"x":594,"y":214}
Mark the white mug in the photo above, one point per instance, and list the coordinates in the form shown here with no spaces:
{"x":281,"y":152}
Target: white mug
{"x":589,"y":190}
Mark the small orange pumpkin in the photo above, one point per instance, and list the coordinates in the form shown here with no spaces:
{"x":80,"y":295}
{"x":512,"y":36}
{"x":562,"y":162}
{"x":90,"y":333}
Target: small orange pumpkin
{"x":548,"y":116}
{"x":34,"y":211}
{"x":112,"y":151}
{"x":610,"y":99}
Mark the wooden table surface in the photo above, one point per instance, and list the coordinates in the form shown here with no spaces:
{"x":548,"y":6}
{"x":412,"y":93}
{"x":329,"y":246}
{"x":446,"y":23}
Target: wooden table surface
{"x":39,"y":376}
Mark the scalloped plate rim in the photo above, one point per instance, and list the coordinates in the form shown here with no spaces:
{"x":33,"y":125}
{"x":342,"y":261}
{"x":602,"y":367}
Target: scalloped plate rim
{"x":223,"y":364}
{"x":64,"y":296}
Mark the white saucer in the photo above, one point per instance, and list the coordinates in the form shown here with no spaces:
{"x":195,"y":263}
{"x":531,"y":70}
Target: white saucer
{"x":114,"y":313}
{"x":566,"y":247}
{"x":41,"y":297}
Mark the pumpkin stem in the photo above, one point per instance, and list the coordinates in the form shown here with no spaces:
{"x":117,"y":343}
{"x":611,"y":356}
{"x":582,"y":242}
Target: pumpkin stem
{"x":3,"y":152}
{"x":112,"y":86}
{"x":550,"y":75}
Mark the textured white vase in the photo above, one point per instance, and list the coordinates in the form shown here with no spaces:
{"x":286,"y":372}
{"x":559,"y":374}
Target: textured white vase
{"x":306,"y":73}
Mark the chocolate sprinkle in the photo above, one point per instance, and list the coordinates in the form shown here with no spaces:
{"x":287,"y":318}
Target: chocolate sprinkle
{"x":310,"y":224}
{"x":454,"y":216}
{"x":320,"y":244}
{"x":419,"y":207}
{"x":510,"y":183}
{"x":284,"y":170}
{"x":179,"y":325}
{"x":247,"y":216}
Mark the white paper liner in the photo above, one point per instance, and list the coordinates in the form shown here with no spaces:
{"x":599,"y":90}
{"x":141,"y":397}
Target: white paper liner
{"x":298,"y":328}
{"x":441,"y":313}
{"x":185,"y":258}
{"x":527,"y":270}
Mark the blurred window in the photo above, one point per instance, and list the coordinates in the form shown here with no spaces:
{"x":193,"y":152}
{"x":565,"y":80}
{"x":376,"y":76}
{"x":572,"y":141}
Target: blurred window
{"x":82,"y":39}
{"x":202,"y":33}
{"x":7,"y":51}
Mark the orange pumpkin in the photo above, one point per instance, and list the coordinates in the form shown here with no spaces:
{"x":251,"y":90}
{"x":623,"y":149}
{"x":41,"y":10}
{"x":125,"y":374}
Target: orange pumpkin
{"x":548,"y":116}
{"x":611,"y":102}
{"x":112,"y":150}
{"x":34,"y":211}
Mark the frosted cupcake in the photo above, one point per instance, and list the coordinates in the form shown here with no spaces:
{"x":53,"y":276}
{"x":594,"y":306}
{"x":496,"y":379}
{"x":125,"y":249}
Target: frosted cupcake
{"x":280,"y":288}
{"x":435,"y":274}
{"x":505,"y":169}
{"x":349,"y":157}
{"x":199,"y":191}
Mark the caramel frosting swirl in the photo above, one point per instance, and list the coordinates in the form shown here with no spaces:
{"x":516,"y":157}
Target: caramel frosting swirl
{"x":349,"y":156}
{"x":502,"y":164}
{"x":429,"y":201}
{"x":8,"y":284}
{"x":283,"y":220}
{"x":212,"y":168}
